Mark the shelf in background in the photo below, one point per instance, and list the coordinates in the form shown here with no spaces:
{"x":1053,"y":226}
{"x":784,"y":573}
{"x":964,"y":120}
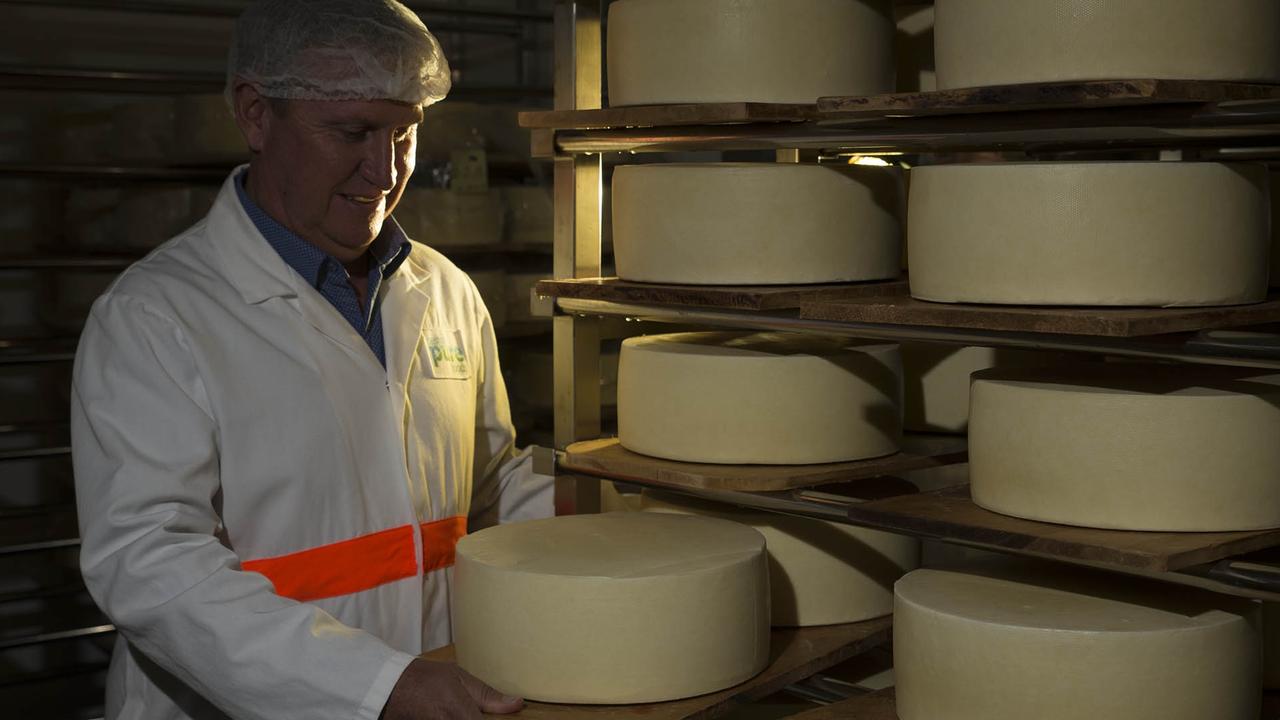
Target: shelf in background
{"x":950,"y":514}
{"x":879,"y":705}
{"x":668,"y":115}
{"x":728,"y":297}
{"x":1104,"y":322}
{"x":1046,"y":96}
{"x":795,"y":654}
{"x":883,"y":705}
{"x":607,"y":458}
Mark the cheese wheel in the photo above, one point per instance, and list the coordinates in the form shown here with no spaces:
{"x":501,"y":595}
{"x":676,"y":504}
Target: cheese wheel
{"x":755,"y":223}
{"x":975,"y":646}
{"x":935,"y":377}
{"x":767,"y":398}
{"x":772,"y":51}
{"x":1099,"y":233}
{"x":820,"y":572}
{"x":997,"y":42}
{"x":615,"y":608}
{"x":1128,"y":447}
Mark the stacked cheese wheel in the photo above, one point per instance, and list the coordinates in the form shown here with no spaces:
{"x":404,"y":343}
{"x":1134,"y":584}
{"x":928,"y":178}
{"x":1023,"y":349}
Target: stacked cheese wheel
{"x":1000,"y":645}
{"x":998,"y":42}
{"x":755,"y":223}
{"x":820,"y":573}
{"x":764,"y":398}
{"x":1100,"y":233}
{"x":612,"y":609}
{"x":1128,"y":447}
{"x":776,"y":51}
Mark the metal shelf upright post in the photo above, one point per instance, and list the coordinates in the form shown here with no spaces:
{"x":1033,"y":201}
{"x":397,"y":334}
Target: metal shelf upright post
{"x":577,"y":187}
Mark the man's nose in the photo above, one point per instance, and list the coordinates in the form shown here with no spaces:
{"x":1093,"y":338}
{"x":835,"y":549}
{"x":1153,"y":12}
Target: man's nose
{"x":379,"y":165}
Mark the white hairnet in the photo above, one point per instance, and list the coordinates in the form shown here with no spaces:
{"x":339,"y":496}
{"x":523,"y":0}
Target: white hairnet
{"x":337,"y":50}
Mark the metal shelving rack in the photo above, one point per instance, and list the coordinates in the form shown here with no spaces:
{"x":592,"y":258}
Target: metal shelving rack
{"x":1240,"y":129}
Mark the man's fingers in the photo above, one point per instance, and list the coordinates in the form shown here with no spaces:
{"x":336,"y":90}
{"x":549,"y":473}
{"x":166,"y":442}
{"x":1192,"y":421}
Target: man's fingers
{"x":488,"y":699}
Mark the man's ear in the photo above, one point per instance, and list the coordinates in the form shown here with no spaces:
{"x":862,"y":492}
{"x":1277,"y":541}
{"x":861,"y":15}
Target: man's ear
{"x":252,"y":113}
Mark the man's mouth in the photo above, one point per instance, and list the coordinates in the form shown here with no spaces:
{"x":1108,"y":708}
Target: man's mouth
{"x":364,"y":199}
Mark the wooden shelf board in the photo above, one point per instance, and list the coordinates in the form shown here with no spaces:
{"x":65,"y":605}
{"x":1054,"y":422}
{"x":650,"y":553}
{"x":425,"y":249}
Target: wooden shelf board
{"x":795,"y":654}
{"x":883,"y":705}
{"x":735,"y":297}
{"x":878,"y":705}
{"x":608,"y":459}
{"x":1045,"y":96}
{"x":1109,"y":322}
{"x":668,"y":115}
{"x":950,"y":514}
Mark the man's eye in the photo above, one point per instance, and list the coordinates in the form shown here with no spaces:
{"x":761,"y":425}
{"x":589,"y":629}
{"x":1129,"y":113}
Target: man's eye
{"x":352,"y":135}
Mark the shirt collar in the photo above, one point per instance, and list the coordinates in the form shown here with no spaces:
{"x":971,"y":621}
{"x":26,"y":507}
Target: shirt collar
{"x":389,"y":249}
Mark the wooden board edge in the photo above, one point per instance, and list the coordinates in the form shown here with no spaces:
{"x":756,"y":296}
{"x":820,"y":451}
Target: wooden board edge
{"x":670,"y":115}
{"x":1064,"y":95}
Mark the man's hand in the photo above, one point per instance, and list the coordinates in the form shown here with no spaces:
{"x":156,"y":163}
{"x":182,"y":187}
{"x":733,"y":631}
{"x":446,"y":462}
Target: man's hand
{"x":443,"y":691}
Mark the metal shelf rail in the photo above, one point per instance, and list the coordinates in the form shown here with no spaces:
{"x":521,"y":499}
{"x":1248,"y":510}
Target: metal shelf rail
{"x":1237,"y":128}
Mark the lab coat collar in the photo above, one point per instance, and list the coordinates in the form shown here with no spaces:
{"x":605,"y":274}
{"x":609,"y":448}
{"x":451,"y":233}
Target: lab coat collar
{"x":254,"y":268}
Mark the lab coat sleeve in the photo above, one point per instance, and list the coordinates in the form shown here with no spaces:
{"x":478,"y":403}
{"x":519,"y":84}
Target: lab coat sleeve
{"x":505,"y":488}
{"x":147,"y":487}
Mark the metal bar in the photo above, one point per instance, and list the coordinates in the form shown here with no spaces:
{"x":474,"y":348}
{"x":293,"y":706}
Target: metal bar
{"x":37,"y":358}
{"x":34,"y":453}
{"x":577,"y":218}
{"x":233,"y":9}
{"x":950,"y":134}
{"x":42,"y":593}
{"x":45,"y":546}
{"x":34,"y":427}
{"x":56,"y":79}
{"x":67,"y":262}
{"x":1152,"y":348}
{"x":113,"y":173}
{"x":51,"y":637}
{"x":26,"y":679}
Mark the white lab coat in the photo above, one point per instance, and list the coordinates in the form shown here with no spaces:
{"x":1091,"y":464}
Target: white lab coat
{"x":224,"y":412}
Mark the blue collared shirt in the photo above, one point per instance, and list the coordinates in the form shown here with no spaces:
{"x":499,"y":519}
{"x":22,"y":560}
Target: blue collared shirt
{"x":329,"y":277}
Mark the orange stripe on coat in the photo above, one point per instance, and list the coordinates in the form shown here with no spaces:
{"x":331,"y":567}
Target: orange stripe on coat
{"x":362,"y":563}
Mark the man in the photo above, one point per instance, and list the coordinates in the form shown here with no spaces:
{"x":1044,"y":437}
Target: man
{"x":285,"y":417}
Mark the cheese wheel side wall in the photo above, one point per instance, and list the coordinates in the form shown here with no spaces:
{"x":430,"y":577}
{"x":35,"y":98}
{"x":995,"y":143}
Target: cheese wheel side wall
{"x":959,"y":669}
{"x":1103,"y":234}
{"x":772,"y":51}
{"x":755,"y":223}
{"x":1125,"y":461}
{"x":790,"y":409}
{"x":998,"y":42}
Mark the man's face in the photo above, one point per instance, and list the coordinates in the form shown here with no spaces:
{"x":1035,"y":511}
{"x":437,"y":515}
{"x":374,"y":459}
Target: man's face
{"x":333,"y":170}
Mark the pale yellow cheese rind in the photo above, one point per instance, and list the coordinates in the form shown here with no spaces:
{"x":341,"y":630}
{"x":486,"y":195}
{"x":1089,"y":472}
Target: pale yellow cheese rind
{"x":998,"y":42}
{"x":755,"y":223}
{"x":612,"y":609}
{"x":763,"y":398}
{"x":820,"y":572}
{"x":1089,"y":234}
{"x":769,"y":51}
{"x":973,"y":646}
{"x":1129,"y":447}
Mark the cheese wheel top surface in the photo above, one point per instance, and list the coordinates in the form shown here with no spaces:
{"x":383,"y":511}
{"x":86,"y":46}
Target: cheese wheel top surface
{"x":616,"y":546}
{"x":1065,"y":603}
